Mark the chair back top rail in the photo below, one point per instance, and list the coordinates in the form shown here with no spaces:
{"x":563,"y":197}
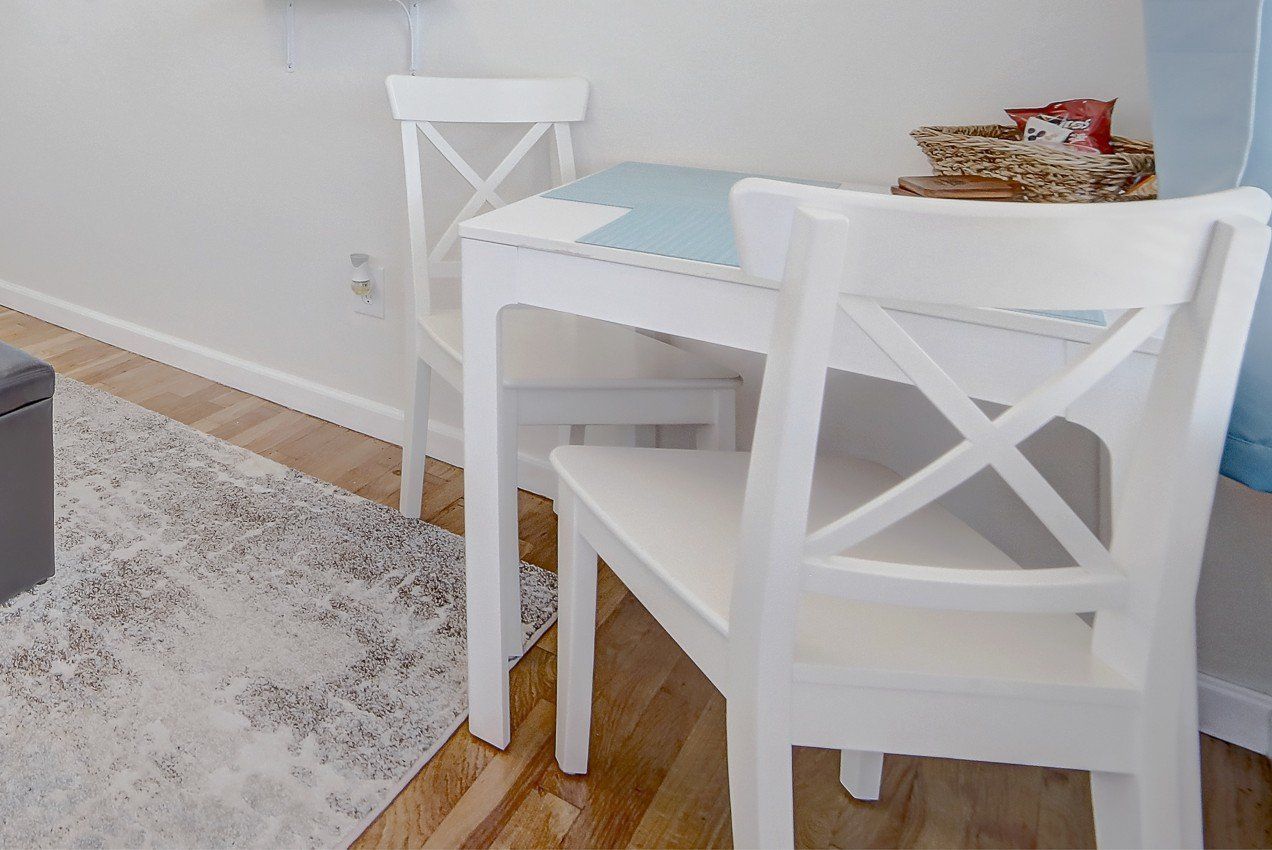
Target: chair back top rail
{"x":1010,"y":256}
{"x":1191,"y":264}
{"x":467,"y":100}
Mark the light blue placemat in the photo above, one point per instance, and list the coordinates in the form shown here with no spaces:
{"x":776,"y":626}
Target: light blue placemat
{"x":684,"y":213}
{"x":686,"y":231}
{"x":675,"y":211}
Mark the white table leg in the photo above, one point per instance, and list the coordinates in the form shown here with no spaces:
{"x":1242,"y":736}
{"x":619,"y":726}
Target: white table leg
{"x":508,"y":520}
{"x":490,"y":492}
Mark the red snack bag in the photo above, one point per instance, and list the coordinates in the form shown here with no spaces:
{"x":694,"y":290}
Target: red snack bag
{"x":1090,"y":120}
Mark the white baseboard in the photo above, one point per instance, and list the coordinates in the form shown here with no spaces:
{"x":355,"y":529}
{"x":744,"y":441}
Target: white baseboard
{"x":357,"y":413}
{"x":1235,"y":714}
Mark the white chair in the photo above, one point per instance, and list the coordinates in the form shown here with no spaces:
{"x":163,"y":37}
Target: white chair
{"x":566,"y":370}
{"x":836,"y":605}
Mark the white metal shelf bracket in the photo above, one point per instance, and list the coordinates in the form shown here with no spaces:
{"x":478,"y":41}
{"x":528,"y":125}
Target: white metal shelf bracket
{"x":289,"y":24}
{"x":414,"y":21}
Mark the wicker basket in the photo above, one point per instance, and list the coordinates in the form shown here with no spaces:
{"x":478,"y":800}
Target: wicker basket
{"x":1047,"y":174}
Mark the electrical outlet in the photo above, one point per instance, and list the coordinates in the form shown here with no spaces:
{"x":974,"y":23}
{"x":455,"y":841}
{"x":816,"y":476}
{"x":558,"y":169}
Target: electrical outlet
{"x":372,"y":304}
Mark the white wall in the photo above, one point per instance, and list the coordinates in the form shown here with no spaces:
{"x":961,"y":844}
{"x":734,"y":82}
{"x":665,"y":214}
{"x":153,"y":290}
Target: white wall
{"x":158,"y":165}
{"x":164,"y":183}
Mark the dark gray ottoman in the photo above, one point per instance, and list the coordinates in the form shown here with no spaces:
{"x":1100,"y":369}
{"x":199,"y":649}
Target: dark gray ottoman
{"x":26,"y":471}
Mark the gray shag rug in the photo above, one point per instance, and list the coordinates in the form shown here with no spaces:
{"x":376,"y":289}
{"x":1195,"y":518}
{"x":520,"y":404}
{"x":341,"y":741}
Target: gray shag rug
{"x":232,"y":653}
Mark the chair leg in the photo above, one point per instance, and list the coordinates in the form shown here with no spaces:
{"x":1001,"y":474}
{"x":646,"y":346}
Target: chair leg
{"x":571,"y":435}
{"x":576,"y":638}
{"x":722,"y":434}
{"x":761,"y":786}
{"x":415,"y":442}
{"x":861,"y":773}
{"x":1190,"y":810}
{"x":1159,"y":804}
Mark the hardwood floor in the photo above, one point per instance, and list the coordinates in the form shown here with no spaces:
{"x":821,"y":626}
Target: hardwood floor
{"x":658,"y":758}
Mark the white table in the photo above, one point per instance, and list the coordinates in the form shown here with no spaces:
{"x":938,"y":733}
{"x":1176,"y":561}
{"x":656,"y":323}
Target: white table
{"x":526,"y":253}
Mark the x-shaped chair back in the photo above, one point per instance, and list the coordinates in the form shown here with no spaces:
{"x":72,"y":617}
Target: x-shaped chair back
{"x":1192,"y":266}
{"x":421,"y":102}
{"x":987,"y":443}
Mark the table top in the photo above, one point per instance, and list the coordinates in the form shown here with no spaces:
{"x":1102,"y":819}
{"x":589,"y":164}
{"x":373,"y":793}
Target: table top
{"x":549,"y":224}
{"x":555,"y":225}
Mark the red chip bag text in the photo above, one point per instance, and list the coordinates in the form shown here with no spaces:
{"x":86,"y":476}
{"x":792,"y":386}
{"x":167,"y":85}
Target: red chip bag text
{"x":1090,"y":122}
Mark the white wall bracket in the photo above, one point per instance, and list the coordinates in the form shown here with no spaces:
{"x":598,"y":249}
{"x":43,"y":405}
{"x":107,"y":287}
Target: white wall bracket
{"x":414,"y":21}
{"x":289,"y":25}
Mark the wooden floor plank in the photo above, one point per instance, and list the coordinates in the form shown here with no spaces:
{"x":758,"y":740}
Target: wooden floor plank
{"x":93,"y":370}
{"x":488,"y":803}
{"x":659,"y":774}
{"x":233,"y":418}
{"x":542,"y":820}
{"x":435,"y":790}
{"x":1063,"y":819}
{"x":686,"y":810}
{"x":1238,"y":795}
{"x":624,"y":779}
{"x":281,"y":428}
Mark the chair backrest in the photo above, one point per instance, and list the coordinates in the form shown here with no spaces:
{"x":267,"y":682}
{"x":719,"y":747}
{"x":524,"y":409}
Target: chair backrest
{"x":421,"y":102}
{"x":1193,"y":265}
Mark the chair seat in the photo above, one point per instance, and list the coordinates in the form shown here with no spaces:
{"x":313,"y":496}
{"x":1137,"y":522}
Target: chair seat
{"x":682,"y":524}
{"x":543,"y":349}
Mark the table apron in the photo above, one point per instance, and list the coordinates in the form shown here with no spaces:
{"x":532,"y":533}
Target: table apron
{"x":723,"y":312}
{"x":990,"y":363}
